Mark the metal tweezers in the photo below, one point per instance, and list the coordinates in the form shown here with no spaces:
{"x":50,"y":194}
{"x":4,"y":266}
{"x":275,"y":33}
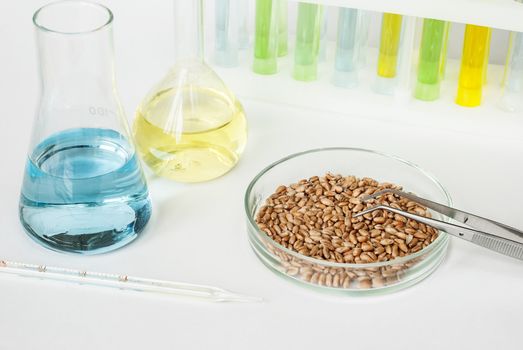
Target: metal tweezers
{"x":483,"y":232}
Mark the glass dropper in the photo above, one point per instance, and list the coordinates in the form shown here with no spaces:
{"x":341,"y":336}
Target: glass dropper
{"x":124,"y":282}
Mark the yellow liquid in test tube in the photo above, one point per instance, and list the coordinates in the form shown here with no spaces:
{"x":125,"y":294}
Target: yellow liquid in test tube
{"x":473,"y":61}
{"x":389,"y":45}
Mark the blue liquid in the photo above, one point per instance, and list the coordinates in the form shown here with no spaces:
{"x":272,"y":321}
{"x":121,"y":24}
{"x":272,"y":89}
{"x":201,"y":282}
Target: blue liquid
{"x":84,"y":192}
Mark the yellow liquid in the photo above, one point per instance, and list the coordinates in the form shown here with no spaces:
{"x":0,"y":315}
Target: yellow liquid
{"x":473,"y":61}
{"x":389,"y":45}
{"x":200,"y":140}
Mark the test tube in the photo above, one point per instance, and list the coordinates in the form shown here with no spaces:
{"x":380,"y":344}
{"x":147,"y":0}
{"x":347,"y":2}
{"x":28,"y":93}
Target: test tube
{"x":363,"y":37}
{"x":307,"y":41}
{"x":322,"y":56}
{"x":512,"y":96}
{"x":391,"y":29}
{"x":243,"y":19}
{"x":443,"y":64}
{"x":282,"y":27}
{"x":227,"y":32}
{"x":346,"y":62}
{"x":389,"y":45}
{"x":487,"y":55}
{"x":405,"y":60}
{"x":266,"y":37}
{"x":428,"y":82}
{"x":471,"y":77}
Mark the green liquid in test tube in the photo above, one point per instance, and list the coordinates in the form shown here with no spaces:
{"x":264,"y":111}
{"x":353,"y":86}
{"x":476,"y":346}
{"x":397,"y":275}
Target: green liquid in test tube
{"x":282,"y":27}
{"x":266,"y":37}
{"x":427,"y":87}
{"x":308,"y":31}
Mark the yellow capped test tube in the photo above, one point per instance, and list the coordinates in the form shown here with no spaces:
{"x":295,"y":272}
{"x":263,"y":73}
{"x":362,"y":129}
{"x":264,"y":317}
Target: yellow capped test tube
{"x":473,"y":61}
{"x":389,"y":45}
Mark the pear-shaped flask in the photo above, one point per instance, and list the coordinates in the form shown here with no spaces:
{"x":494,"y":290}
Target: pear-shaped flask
{"x":83,"y":190}
{"x":190,"y":127}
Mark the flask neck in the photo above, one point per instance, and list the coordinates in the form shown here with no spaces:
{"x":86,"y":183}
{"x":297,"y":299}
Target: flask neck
{"x":75,"y":46}
{"x":188,"y":30}
{"x":76,"y":61}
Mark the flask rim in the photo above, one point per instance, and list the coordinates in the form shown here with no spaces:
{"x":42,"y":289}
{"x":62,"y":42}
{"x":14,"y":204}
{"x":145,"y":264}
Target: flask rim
{"x":48,"y":27}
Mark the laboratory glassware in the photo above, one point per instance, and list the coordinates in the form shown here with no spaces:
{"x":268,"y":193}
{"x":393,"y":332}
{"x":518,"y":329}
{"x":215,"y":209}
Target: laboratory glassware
{"x":512,"y":95}
{"x":308,"y":31}
{"x":388,"y":55}
{"x":124,"y":282}
{"x":430,"y":60}
{"x":322,"y":54}
{"x":190,"y":127}
{"x":443,"y":64}
{"x":473,"y":61}
{"x":389,"y":45}
{"x":83,"y":189}
{"x":266,"y":37}
{"x":283,"y":14}
{"x":395,"y":61}
{"x":346,"y":63}
{"x":231,"y":32}
{"x":243,"y":19}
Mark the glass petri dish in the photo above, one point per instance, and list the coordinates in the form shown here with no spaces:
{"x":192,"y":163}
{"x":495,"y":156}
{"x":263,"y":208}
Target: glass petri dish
{"x":345,"y":278}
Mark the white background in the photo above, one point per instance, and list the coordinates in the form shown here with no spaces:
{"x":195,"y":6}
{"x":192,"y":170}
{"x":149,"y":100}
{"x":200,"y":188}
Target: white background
{"x":197,"y":233}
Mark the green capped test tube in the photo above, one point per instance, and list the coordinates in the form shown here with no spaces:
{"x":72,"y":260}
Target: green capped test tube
{"x":266,"y":37}
{"x":308,"y":31}
{"x":428,"y":82}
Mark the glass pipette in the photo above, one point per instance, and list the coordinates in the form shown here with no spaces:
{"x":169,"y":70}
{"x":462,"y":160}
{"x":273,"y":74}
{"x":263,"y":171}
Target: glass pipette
{"x":124,"y":282}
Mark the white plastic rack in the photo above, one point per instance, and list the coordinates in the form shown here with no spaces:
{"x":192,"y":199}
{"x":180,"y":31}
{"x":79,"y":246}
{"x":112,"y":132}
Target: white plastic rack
{"x":501,"y":14}
{"x":486,"y":120}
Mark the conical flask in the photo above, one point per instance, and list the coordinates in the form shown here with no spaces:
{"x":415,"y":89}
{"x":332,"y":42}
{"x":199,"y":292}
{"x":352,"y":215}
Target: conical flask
{"x":190,"y":127}
{"x":83,"y":190}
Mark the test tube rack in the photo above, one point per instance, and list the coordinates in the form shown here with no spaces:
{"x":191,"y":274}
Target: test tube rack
{"x":488,"y":119}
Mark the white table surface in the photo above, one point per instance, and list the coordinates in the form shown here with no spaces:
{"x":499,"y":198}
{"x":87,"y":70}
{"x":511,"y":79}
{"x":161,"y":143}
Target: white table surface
{"x":197,"y":233}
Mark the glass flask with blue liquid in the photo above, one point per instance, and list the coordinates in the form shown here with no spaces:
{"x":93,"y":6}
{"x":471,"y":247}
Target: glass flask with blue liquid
{"x":83,"y":189}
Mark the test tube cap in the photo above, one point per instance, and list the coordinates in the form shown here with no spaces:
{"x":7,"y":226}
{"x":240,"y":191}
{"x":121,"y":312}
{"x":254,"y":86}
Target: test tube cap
{"x":426,"y":92}
{"x":468,"y":97}
{"x":345,"y":79}
{"x":305,"y":72}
